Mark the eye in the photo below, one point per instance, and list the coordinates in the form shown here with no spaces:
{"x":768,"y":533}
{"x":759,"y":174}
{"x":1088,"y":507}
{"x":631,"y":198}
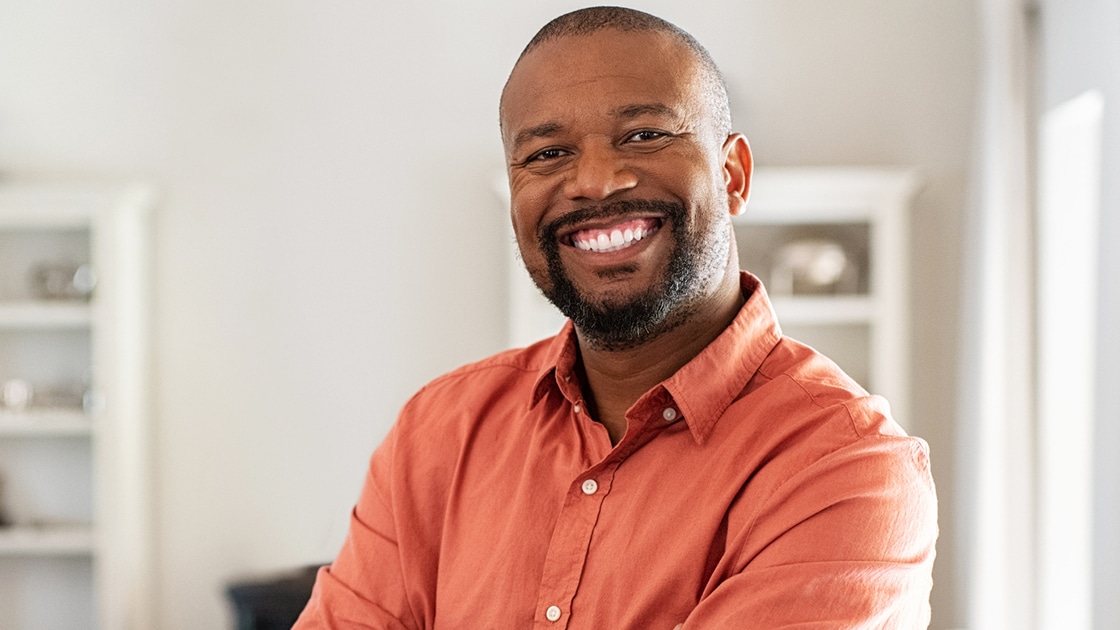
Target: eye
{"x":645,"y":135}
{"x":545,"y":155}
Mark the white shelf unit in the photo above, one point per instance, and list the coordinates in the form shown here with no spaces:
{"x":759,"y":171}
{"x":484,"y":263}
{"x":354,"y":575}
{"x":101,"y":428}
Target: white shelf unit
{"x":74,"y":470}
{"x":865,"y":328}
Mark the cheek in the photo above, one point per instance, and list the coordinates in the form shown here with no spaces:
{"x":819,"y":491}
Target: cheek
{"x":528,"y":205}
{"x":532,"y":258}
{"x":529,"y":249}
{"x":524,"y":229}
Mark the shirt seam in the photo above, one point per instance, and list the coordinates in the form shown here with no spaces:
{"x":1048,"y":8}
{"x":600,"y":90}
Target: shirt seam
{"x":474,"y":368}
{"x":813,"y":399}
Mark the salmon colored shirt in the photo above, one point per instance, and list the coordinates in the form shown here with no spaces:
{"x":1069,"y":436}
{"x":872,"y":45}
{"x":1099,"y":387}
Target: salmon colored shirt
{"x":758,"y":487}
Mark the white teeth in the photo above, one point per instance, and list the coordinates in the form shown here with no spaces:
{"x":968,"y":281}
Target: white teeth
{"x":617,"y":240}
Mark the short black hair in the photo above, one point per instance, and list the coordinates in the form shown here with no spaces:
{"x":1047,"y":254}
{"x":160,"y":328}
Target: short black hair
{"x":594,"y":19}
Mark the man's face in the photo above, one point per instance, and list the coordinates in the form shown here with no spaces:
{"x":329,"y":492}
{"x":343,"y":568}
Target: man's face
{"x":616,"y":173}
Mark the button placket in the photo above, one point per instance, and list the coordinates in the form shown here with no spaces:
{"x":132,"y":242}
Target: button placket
{"x":570,"y":543}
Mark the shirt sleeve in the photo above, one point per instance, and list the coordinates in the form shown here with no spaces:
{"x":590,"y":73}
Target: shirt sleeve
{"x":848,"y":543}
{"x":377,"y":576}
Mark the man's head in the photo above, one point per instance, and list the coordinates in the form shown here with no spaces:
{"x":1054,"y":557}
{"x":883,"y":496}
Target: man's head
{"x":623,"y":172}
{"x":591,"y":20}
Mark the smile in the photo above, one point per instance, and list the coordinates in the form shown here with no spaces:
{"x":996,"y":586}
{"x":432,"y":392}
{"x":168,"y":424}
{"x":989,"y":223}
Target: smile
{"x":615,"y":237}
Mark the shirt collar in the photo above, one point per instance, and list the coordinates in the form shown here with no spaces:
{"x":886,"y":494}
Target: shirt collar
{"x":558,"y":367}
{"x":735,"y":355}
{"x":705,"y":386}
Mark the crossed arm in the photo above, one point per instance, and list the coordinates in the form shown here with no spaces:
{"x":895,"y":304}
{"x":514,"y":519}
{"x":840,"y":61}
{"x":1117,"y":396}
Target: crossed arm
{"x":847,"y":544}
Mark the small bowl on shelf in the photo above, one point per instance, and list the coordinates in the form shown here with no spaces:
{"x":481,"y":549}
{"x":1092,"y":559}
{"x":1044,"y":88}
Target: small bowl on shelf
{"x":62,"y":281}
{"x":813,"y":266}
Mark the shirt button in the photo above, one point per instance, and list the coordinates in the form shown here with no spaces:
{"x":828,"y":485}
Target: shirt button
{"x":553,"y":613}
{"x":669,"y":414}
{"x":576,"y":408}
{"x":590,"y":486}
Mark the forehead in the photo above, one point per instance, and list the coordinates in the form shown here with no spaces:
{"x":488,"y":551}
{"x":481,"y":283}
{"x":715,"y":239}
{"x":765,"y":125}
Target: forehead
{"x":600,"y":72}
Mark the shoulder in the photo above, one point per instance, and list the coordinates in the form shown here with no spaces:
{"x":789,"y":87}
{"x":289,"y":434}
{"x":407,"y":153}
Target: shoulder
{"x":806,"y":420}
{"x":470,"y":393}
{"x":494,"y":373}
{"x":795,"y":375}
{"x":818,"y":440}
{"x":468,"y":407}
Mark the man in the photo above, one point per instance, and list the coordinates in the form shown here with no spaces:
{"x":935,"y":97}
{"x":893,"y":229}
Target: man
{"x":669,"y":459}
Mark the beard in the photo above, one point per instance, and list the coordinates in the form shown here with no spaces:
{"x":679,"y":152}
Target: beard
{"x":623,"y":323}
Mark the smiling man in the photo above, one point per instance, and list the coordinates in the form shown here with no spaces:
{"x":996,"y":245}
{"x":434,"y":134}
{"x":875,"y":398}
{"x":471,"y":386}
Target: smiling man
{"x":669,"y":459}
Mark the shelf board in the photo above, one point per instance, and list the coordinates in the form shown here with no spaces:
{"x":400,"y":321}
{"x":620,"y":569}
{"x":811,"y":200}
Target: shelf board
{"x":46,"y":540}
{"x":824,"y":309}
{"x":826,"y":195}
{"x":43,"y":314}
{"x":45,"y":423}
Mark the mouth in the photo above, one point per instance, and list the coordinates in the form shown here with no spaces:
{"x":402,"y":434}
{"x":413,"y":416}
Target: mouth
{"x":612,"y":238}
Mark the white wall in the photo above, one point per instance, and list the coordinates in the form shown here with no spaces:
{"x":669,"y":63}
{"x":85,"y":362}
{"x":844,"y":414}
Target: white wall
{"x":329,"y":241}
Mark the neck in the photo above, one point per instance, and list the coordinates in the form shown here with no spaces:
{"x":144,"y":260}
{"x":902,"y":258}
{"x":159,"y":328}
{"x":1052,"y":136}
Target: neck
{"x":615,"y":379}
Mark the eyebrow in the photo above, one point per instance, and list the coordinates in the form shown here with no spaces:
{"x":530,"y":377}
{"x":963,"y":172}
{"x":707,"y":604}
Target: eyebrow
{"x":642,"y":109}
{"x":543,"y":130}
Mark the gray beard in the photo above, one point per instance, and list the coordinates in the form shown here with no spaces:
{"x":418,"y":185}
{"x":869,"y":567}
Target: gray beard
{"x":617,"y":326}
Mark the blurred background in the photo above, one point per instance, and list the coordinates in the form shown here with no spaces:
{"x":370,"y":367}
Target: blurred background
{"x":328,"y":237}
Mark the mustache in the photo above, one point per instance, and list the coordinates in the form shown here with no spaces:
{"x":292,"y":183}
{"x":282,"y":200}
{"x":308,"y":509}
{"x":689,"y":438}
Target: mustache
{"x":547,"y":232}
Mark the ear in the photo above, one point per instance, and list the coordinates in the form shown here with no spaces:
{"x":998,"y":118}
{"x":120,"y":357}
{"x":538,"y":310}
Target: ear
{"x":738,"y":164}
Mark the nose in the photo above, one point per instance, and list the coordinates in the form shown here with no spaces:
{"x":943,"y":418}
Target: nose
{"x":598,"y":173}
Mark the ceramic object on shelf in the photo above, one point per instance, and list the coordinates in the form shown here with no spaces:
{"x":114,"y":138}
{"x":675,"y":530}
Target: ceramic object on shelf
{"x":813,"y":266}
{"x":16,"y":394}
{"x":58,"y":280}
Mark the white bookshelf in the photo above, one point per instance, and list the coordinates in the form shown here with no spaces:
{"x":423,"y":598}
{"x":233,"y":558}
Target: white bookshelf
{"x":74,"y":547}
